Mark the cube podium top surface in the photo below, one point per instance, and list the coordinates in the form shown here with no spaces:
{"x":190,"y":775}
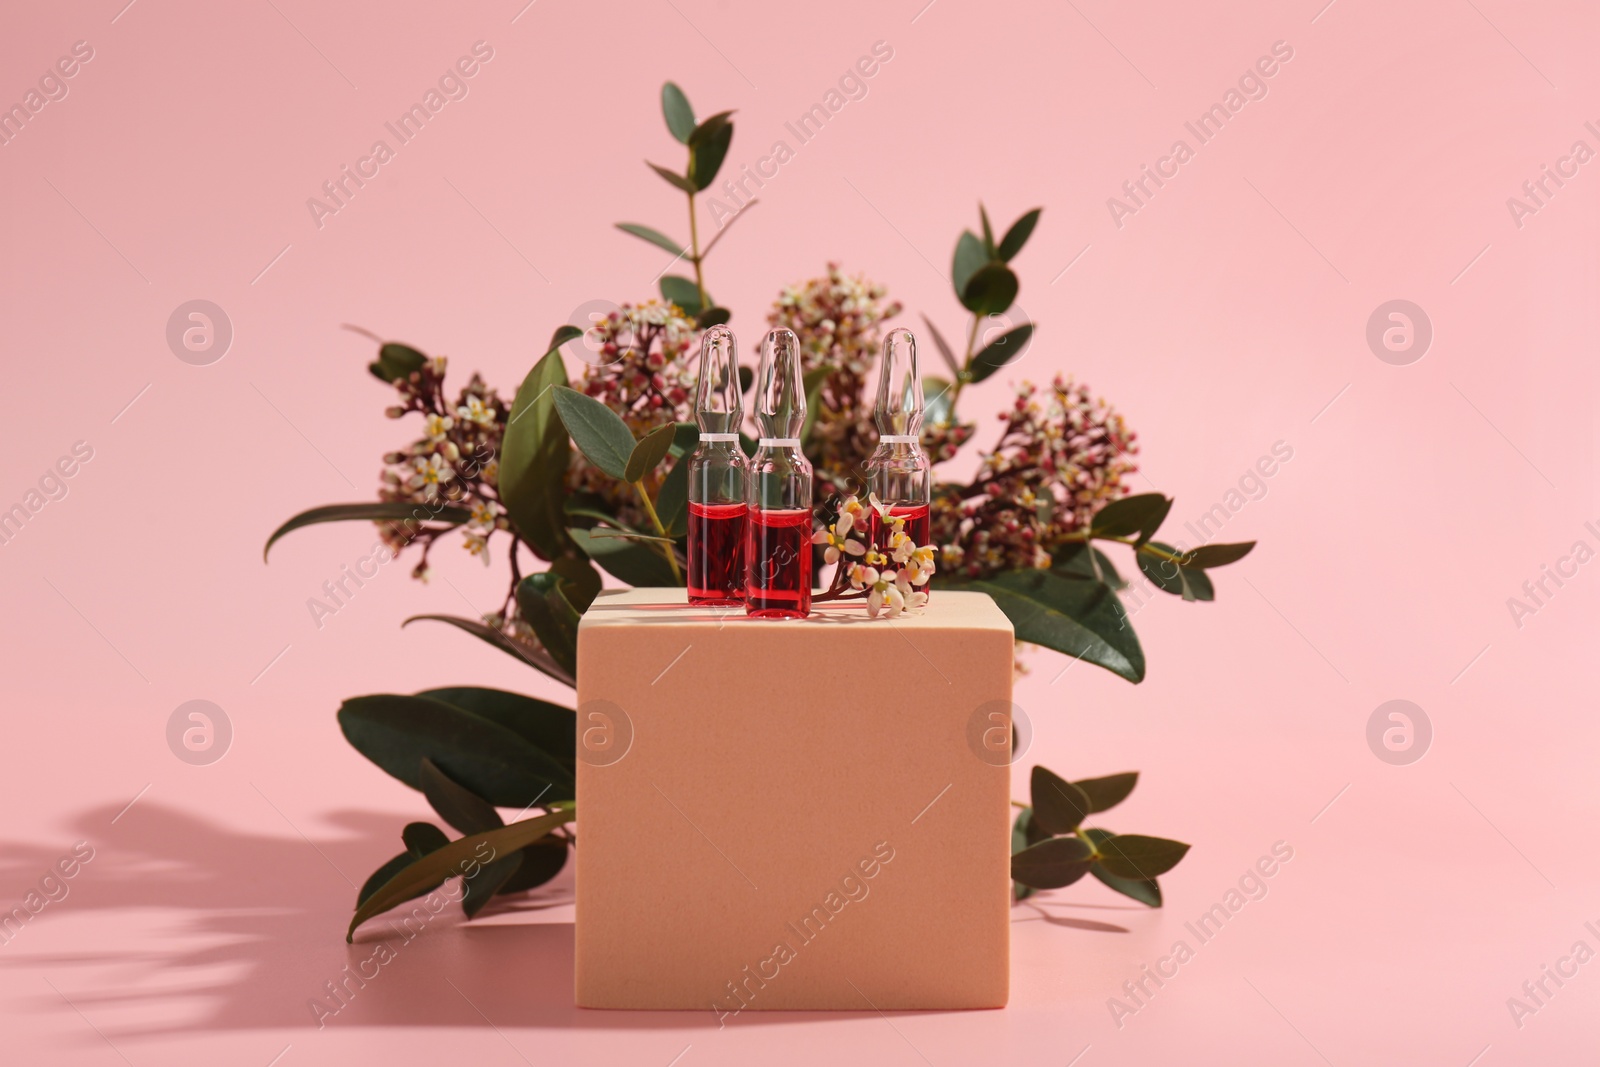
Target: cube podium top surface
{"x":793,"y":814}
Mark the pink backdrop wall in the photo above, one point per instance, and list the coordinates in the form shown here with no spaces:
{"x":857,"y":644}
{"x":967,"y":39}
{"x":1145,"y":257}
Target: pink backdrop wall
{"x":1229,"y":313}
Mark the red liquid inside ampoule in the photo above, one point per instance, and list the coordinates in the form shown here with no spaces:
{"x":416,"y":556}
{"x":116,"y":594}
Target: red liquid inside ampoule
{"x":917,"y":528}
{"x":716,"y":553}
{"x":778,"y":564}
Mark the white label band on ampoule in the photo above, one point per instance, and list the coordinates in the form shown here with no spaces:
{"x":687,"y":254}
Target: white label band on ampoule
{"x":786,"y":442}
{"x":899,"y":438}
{"x":718,"y":436}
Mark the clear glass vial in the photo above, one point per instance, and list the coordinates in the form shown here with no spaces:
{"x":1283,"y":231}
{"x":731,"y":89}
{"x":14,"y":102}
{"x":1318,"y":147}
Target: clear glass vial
{"x":898,"y":471}
{"x":717,"y":474}
{"x":778,"y":541}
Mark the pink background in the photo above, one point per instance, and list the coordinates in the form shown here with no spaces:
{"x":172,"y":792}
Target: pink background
{"x":1228,"y":314}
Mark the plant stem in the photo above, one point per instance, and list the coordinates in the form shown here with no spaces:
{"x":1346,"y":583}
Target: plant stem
{"x":966,"y":362}
{"x":694,"y":253}
{"x":655,"y":520}
{"x":1086,"y":536}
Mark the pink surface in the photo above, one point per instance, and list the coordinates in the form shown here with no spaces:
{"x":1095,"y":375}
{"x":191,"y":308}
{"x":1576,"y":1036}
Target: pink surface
{"x":1229,"y":313}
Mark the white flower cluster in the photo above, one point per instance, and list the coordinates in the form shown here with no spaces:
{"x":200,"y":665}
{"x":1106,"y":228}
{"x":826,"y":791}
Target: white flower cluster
{"x":892,"y":574}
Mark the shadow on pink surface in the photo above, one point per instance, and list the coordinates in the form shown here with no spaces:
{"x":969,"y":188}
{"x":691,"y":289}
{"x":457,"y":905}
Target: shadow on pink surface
{"x":183,"y":926}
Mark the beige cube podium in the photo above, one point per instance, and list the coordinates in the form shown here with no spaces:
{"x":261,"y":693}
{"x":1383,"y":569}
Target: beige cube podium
{"x":793,"y":814}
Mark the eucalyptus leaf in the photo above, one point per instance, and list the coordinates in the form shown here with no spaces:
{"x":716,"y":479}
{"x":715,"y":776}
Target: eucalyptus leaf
{"x":1138,"y":856}
{"x":580,"y":581}
{"x":1217,"y":555}
{"x":396,"y":362}
{"x":1107,"y":792}
{"x":648,"y":453}
{"x":1083,"y":619}
{"x":1169,"y":577}
{"x":535,"y":455}
{"x":1018,"y":234}
{"x":676,"y":289}
{"x":1003,"y":351}
{"x":988,"y":234}
{"x":390,"y":868}
{"x":655,"y":237}
{"x":374,"y":510}
{"x":945,"y":351}
{"x":713,"y":316}
{"x":1144,"y":890}
{"x":675,"y":108}
{"x":397,"y":732}
{"x":936,"y":407}
{"x":422,"y":838}
{"x":456,"y":804}
{"x":1053,"y":863}
{"x":708,"y":150}
{"x":672,"y":499}
{"x":990,"y":290}
{"x":969,"y":257}
{"x":1059,"y":807}
{"x":600,"y":434}
{"x":459,"y":858}
{"x":1077,"y":559}
{"x":673,"y":178}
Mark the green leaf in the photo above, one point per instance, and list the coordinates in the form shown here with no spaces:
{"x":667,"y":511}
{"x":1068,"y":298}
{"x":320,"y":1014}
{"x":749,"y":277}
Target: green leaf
{"x":988,"y":233}
{"x":1217,"y":555}
{"x":672,"y":499}
{"x":422,"y":838}
{"x":398,"y":732}
{"x":655,"y":237}
{"x":707,"y":151}
{"x":535,"y":455}
{"x":1059,"y":807}
{"x":676,"y":289}
{"x":1138,"y":856}
{"x":1141,"y":514}
{"x":1169,"y":577}
{"x":553,"y":618}
{"x":672,"y":178}
{"x":713,"y":316}
{"x":1106,"y":793}
{"x":629,"y":535}
{"x":1144,"y":890}
{"x":536,"y":658}
{"x":632,"y":562}
{"x":679,"y":115}
{"x":686,"y":439}
{"x":1077,"y":560}
{"x":1018,"y":235}
{"x":969,"y":257}
{"x":943,"y":346}
{"x":990,"y":290}
{"x":1080,"y":618}
{"x":747,"y":378}
{"x":1053,"y":863}
{"x":599,"y":432}
{"x":375,"y":510}
{"x":1027,"y":831}
{"x":550,"y":728}
{"x":811,"y":384}
{"x":1001,"y":352}
{"x":541,"y":861}
{"x":648,"y":453}
{"x":460,"y":857}
{"x":563,"y":333}
{"x":580,"y":581}
{"x":456,"y":804}
{"x":490,"y":880}
{"x":391,"y":868}
{"x":396,"y":361}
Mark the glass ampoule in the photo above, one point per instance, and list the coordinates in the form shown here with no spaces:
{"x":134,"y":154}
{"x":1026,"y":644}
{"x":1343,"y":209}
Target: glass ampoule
{"x":898,"y":471}
{"x":778,"y":542}
{"x":717,"y":474}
